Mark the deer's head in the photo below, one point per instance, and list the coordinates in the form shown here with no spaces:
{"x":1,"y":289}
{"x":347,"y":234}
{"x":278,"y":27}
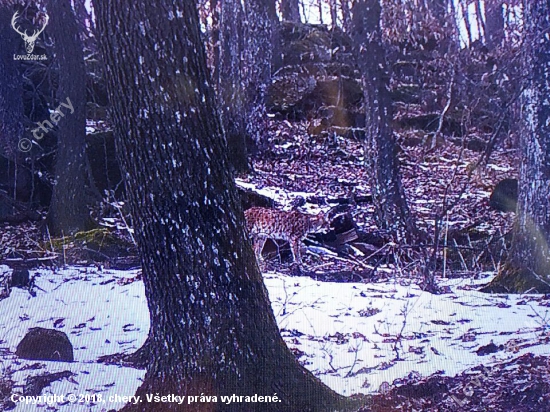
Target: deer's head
{"x":29,"y":40}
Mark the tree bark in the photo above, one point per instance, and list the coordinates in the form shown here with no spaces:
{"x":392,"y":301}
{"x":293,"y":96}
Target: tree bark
{"x":11,"y":87}
{"x":214,"y":43}
{"x":212,"y":328}
{"x":68,"y":211}
{"x":480,"y":23}
{"x":13,"y":141}
{"x":438,"y":9}
{"x":392,"y":212}
{"x":231,"y":88}
{"x":261,"y":34}
{"x":494,"y":25}
{"x":466,"y":17}
{"x":290,"y":10}
{"x":333,"y":13}
{"x":527,"y":268}
{"x":346,"y":15}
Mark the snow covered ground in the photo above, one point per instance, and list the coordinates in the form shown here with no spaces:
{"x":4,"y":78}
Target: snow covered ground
{"x":353,"y":336}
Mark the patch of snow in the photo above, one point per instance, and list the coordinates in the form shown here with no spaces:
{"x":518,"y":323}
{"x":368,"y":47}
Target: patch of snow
{"x":279,"y":196}
{"x":100,"y":315}
{"x":353,"y":336}
{"x":498,"y":168}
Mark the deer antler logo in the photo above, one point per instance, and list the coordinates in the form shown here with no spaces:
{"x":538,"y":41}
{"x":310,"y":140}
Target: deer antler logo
{"x":29,"y":40}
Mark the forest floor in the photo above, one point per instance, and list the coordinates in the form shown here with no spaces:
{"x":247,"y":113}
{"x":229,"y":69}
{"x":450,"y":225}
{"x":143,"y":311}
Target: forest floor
{"x":413,"y":350}
{"x":360,"y":327}
{"x":442,"y":178}
{"x":323,"y":172}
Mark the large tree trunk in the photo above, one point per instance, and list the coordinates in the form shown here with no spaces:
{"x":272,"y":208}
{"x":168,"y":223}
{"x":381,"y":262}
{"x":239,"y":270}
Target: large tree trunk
{"x":528,"y":264}
{"x":392,"y":212}
{"x":212,"y":328}
{"x":68,"y":211}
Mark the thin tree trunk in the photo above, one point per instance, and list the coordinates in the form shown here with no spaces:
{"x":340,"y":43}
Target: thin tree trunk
{"x":495,"y":23}
{"x":68,"y":211}
{"x":482,"y":31}
{"x":13,"y":141}
{"x":333,"y":13}
{"x":11,"y":88}
{"x":346,"y":14}
{"x":392,"y":212}
{"x":231,"y":88}
{"x":438,"y":9}
{"x":290,"y":10}
{"x":466,"y":17}
{"x":261,"y":34}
